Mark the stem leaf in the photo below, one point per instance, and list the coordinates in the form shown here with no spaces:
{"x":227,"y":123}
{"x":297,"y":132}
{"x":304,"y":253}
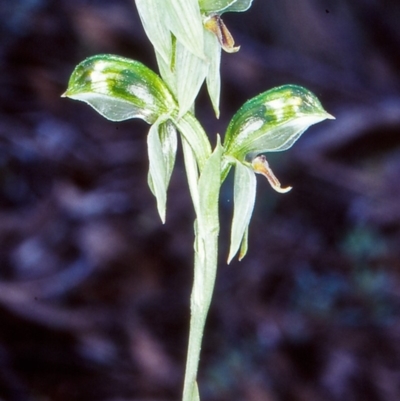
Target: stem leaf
{"x":209,"y":185}
{"x":244,"y":198}
{"x":185,"y":22}
{"x":162,"y":145}
{"x":190,"y":72}
{"x":213,"y":76}
{"x":194,"y":134}
{"x":152,"y":16}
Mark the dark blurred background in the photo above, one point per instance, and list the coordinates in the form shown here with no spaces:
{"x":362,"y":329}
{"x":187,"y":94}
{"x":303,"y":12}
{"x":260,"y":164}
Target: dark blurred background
{"x":94,"y":290}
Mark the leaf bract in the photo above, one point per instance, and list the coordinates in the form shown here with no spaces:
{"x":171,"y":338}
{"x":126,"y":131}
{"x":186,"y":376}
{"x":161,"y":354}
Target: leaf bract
{"x":161,"y":145}
{"x":244,"y":198}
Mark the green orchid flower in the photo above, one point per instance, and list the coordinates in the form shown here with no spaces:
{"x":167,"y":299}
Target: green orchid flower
{"x":187,"y":36}
{"x":270,"y":122}
{"x":120,"y":89}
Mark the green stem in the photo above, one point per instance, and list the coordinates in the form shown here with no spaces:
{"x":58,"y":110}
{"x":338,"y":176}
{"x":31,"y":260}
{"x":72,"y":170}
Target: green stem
{"x":203,"y":285}
{"x":205,"y":196}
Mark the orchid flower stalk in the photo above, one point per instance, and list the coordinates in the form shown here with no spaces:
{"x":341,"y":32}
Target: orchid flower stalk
{"x":188,"y":36}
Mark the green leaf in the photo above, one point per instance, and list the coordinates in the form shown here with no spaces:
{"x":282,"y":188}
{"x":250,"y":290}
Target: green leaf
{"x":166,"y":73}
{"x":194,"y":134}
{"x":213,"y":77}
{"x":184,"y":20}
{"x":119,"y":89}
{"x":244,"y":198}
{"x":222,"y":6}
{"x":192,"y":173}
{"x":152,"y":15}
{"x":161,"y":145}
{"x":196,"y":151}
{"x":209,"y":186}
{"x":190,"y":72}
{"x":272,"y":121}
